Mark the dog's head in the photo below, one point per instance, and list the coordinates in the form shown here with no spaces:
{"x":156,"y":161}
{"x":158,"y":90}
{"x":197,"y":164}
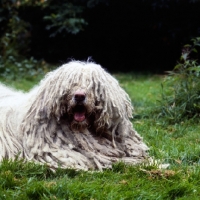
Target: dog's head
{"x":81,"y":95}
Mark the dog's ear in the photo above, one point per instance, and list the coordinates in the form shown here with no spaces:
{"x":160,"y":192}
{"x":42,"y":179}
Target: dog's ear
{"x":45,"y":111}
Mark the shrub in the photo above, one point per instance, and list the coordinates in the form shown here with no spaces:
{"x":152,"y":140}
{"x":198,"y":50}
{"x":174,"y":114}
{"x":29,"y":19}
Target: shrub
{"x":181,"y":89}
{"x":13,"y":69}
{"x":15,"y":32}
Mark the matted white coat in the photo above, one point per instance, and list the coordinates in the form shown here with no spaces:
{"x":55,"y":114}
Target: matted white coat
{"x":52,"y":125}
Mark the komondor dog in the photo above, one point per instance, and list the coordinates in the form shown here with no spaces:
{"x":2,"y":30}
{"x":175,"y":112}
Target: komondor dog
{"x":77,"y":117}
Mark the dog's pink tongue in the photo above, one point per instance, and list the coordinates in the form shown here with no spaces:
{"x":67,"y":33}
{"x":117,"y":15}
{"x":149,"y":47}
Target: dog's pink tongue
{"x":79,"y":116}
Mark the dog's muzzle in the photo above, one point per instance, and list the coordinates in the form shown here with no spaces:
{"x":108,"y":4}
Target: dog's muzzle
{"x":79,"y":109}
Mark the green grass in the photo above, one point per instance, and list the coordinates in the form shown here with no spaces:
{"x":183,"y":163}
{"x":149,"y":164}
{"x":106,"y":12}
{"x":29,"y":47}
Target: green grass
{"x":22,"y":84}
{"x":177,"y":144}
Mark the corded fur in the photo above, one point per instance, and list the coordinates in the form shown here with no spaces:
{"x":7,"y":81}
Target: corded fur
{"x":39,"y":125}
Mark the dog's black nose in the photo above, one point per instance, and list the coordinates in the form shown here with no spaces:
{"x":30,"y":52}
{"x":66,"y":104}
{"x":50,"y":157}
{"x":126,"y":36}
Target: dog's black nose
{"x":79,"y":96}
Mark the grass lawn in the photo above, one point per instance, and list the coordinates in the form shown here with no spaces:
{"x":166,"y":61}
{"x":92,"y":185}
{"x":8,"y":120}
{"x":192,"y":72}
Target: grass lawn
{"x":176,"y":144}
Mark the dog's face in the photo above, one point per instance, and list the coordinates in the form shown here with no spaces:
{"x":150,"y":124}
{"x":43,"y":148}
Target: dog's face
{"x":80,"y":109}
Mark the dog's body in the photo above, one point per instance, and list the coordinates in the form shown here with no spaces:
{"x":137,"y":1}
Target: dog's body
{"x":77,"y":117}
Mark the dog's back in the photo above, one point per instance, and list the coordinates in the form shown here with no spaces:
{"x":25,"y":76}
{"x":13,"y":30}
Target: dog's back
{"x":8,"y":96}
{"x":9,"y":101}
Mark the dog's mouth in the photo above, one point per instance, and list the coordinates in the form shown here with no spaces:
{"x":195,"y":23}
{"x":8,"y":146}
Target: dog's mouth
{"x":79,"y":113}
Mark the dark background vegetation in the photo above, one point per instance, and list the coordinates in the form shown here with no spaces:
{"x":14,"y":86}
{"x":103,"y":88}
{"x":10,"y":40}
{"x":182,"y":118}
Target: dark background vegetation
{"x":129,"y":35}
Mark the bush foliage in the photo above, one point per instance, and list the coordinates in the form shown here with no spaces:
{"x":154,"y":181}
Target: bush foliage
{"x":181,"y":89}
{"x":15,"y":31}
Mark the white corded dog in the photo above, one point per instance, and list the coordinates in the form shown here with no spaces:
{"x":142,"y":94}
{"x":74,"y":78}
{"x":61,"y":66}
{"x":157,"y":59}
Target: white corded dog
{"x":77,"y":117}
